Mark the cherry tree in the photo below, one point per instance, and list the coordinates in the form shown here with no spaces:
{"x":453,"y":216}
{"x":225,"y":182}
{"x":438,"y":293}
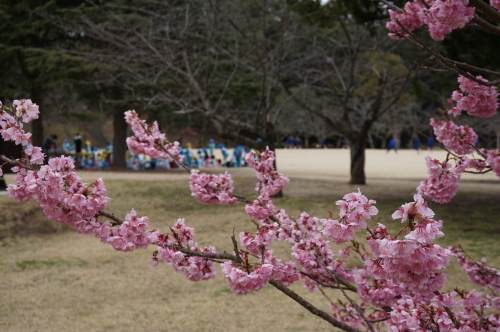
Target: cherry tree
{"x":398,"y":285}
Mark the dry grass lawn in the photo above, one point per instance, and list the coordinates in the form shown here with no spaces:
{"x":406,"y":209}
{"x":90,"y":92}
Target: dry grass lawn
{"x":54,"y":280}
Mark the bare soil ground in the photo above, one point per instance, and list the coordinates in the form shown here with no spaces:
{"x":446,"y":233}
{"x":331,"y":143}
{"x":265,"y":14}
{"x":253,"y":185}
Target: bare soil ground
{"x":54,"y":280}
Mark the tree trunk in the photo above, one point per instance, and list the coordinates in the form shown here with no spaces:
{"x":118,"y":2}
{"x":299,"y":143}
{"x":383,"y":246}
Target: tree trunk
{"x":119,"y":144}
{"x":358,"y":161}
{"x":38,"y":136}
{"x":3,"y":185}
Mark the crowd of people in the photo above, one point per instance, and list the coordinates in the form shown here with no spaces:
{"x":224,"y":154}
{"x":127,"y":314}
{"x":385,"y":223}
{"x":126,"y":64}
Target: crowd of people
{"x":85,"y":155}
{"x":193,"y":158}
{"x":91,"y":157}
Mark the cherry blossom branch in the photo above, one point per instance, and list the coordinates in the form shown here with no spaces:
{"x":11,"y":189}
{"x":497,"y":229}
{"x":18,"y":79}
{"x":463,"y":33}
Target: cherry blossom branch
{"x":486,"y":9}
{"x":17,"y":163}
{"x":354,"y":304}
{"x":437,"y":56}
{"x":111,"y":216}
{"x":312,"y":309}
{"x":352,"y":289}
{"x":450,"y":313}
{"x":392,"y":6}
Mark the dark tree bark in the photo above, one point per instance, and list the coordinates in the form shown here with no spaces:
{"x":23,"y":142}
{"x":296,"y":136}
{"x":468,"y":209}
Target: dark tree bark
{"x":119,"y":138}
{"x":358,"y":147}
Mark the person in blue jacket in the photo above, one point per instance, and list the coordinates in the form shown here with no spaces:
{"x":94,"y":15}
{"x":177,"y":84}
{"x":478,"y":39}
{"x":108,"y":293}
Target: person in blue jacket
{"x":392,"y":145}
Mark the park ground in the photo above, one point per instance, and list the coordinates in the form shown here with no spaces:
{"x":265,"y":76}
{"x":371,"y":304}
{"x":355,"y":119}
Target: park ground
{"x":52,"y":279}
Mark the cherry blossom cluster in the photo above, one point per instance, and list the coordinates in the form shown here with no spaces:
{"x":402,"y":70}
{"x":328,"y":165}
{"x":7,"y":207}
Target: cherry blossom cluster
{"x":474,"y":98}
{"x":212,"y":189}
{"x":440,"y":17}
{"x":378,"y":292}
{"x":317,"y":261}
{"x":271,"y":181}
{"x":293,"y":229}
{"x":195,"y":268}
{"x":348,"y":314}
{"x":493,"y":159}
{"x":460,"y":139}
{"x":148,"y":139}
{"x":478,"y":272}
{"x":414,"y":263}
{"x":11,"y":123}
{"x":254,"y":243}
{"x":242,"y":280}
{"x":444,"y":312}
{"x":285,"y":273}
{"x":355,"y":209}
{"x":495,"y":4}
{"x":442,"y":184}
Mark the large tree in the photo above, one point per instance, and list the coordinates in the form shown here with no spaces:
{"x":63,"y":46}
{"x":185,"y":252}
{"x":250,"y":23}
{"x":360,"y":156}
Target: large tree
{"x":350,"y":77}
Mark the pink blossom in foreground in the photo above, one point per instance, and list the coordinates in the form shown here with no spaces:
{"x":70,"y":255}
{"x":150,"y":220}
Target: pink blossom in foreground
{"x":271,"y":181}
{"x":261,"y":208}
{"x":413,"y":263}
{"x":255,"y":243}
{"x":440,"y":17}
{"x":478,"y":272}
{"x":314,"y":255}
{"x":212,"y":189}
{"x":495,"y":4}
{"x":242,"y":282}
{"x":443,"y":182}
{"x":194,"y":268}
{"x":148,"y":139}
{"x":285,"y":273}
{"x":460,"y":139}
{"x":292,"y":230}
{"x":411,"y":19}
{"x":378,"y":292}
{"x":474,"y":98}
{"x":131,"y":234}
{"x":420,"y":216}
{"x":61,"y":194}
{"x":355,"y":209}
{"x":452,"y":14}
{"x":26,"y":110}
{"x":493,"y":159}
{"x":35,"y":154}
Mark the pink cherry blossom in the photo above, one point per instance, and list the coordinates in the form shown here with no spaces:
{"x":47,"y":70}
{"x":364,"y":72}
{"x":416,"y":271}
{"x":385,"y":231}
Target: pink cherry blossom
{"x":194,"y":268}
{"x":148,"y":139}
{"x":285,"y":273}
{"x":242,"y":282}
{"x":271,"y":181}
{"x":460,"y":139}
{"x":378,"y":292}
{"x":212,"y":189}
{"x":355,"y":209}
{"x":254,"y":243}
{"x":495,"y":4}
{"x":493,"y":159}
{"x":442,"y":185}
{"x":261,"y":208}
{"x":474,"y":98}
{"x":26,"y":110}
